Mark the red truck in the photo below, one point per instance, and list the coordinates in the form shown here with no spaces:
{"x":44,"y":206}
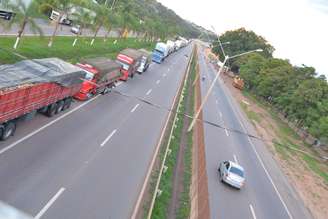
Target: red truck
{"x":31,"y":86}
{"x":129,"y":59}
{"x":101,"y":75}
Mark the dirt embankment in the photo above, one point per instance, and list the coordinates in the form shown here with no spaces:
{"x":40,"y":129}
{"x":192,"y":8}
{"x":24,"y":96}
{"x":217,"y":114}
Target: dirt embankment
{"x":311,"y":188}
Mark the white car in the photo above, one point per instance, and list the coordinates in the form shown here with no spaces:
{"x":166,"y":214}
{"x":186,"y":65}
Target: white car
{"x":76,"y":29}
{"x":232,"y":174}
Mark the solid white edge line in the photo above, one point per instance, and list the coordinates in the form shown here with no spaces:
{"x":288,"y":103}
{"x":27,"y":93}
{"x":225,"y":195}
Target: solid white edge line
{"x":45,"y":126}
{"x":134,"y":108}
{"x":108,"y":138}
{"x":220,"y":114}
{"x":226,"y":131}
{"x":235,"y":158}
{"x":118,"y":83}
{"x":259,"y":158}
{"x":50,"y":202}
{"x":252,"y":211}
{"x":148,"y":92}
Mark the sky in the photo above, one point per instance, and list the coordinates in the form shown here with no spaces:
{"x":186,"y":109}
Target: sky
{"x":298,"y":29}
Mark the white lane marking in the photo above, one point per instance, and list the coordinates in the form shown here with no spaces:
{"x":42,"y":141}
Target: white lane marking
{"x":252,"y":211}
{"x":164,"y":75}
{"x":109,"y":137}
{"x":45,"y":126}
{"x":168,"y":69}
{"x":259,"y":158}
{"x":216,"y":101}
{"x":148,"y":92}
{"x":226,"y":131}
{"x":157,"y":82}
{"x":50,"y":202}
{"x":220,"y":114}
{"x":134,"y":108}
{"x":235,"y":158}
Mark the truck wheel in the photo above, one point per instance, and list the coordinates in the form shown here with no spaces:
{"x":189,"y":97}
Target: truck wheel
{"x":51,"y":110}
{"x":9,"y":130}
{"x":67,"y":103}
{"x":60,"y":106}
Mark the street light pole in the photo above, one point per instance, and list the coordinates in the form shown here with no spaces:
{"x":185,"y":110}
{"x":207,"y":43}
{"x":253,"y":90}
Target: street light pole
{"x":226,"y":58}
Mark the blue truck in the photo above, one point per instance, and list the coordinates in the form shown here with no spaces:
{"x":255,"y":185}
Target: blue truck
{"x":160,"y":52}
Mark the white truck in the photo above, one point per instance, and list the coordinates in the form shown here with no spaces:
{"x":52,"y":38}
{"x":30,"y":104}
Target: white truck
{"x":171,"y":46}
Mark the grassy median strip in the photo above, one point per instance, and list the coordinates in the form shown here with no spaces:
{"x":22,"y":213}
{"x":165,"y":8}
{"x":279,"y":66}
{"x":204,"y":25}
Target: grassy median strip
{"x":36,"y":47}
{"x":185,"y":202}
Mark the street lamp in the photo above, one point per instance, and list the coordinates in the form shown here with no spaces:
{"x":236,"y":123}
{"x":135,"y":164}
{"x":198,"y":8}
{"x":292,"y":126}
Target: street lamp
{"x":226,"y":58}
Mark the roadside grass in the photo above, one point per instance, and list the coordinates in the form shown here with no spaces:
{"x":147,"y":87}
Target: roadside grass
{"x":250,"y":114}
{"x":287,"y":138}
{"x":36,"y":47}
{"x":315,"y":166}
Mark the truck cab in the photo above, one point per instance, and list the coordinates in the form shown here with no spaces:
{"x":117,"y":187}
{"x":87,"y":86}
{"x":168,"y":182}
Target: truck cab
{"x":160,"y":52}
{"x":89,"y":84}
{"x":145,"y":61}
{"x":129,"y":60}
{"x":101,"y":75}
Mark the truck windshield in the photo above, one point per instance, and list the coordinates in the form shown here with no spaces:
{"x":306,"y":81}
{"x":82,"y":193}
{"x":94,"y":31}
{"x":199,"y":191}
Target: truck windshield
{"x":124,"y":65}
{"x":88,"y":76}
{"x":158,"y":51}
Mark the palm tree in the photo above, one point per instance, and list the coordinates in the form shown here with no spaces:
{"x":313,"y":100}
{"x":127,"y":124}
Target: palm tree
{"x":23,"y":16}
{"x":64,"y":8}
{"x":83,"y":18}
{"x":102,"y":16}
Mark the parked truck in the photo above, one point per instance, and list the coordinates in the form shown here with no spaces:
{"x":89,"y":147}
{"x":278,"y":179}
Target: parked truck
{"x":130,"y":60}
{"x":171,"y":46}
{"x":31,"y":86}
{"x":101,"y":75}
{"x":160,"y":52}
{"x":145,"y":61}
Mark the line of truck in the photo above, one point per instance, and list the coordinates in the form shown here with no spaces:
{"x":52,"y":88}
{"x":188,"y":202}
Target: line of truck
{"x":50,"y":85}
{"x":162,"y":50}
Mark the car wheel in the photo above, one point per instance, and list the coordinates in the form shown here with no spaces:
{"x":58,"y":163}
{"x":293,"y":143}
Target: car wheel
{"x":67,"y":103}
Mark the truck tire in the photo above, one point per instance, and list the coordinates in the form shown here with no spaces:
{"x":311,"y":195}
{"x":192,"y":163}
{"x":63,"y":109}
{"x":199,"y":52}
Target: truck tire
{"x":51,"y":111}
{"x":9,"y":130}
{"x":60,"y":106}
{"x":67,"y":103}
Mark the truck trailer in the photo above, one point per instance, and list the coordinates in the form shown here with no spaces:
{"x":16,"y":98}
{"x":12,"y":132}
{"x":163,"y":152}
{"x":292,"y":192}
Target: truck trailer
{"x":41,"y":85}
{"x":130,"y":60}
{"x":101,"y":75}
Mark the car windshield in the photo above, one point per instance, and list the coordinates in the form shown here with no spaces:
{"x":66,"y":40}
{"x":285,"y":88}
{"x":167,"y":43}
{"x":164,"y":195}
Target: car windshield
{"x":124,"y":65}
{"x":88,"y":76}
{"x":237,"y":171}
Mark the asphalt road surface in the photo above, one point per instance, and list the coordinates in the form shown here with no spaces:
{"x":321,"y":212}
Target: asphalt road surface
{"x":267,"y":193}
{"x":92,"y":161}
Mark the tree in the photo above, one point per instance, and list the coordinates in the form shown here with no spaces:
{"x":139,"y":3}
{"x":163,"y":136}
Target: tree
{"x":24,"y":15}
{"x":64,"y":8}
{"x":241,"y":41}
{"x":101,"y":17}
{"x":83,"y":18}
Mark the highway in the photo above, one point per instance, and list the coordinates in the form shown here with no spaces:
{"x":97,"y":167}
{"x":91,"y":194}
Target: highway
{"x":91,"y":161}
{"x":267,"y":193}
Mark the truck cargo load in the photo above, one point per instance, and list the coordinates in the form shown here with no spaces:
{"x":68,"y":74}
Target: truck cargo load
{"x":31,"y":86}
{"x":101,"y":75}
{"x":129,"y":59}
